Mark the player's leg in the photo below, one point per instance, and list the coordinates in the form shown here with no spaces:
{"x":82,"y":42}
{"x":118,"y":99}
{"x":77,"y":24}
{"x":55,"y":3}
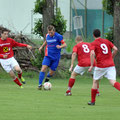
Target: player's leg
{"x":53,"y":66}
{"x":77,"y":71}
{"x":7,"y":66}
{"x":49,"y":75}
{"x":46,"y":62}
{"x":71,"y":83}
{"x":15,"y":79}
{"x":19,"y":71}
{"x":98,"y":93}
{"x":111,"y":75}
{"x":93,"y":92}
{"x":16,"y":67}
{"x":42,"y":76}
{"x":98,"y":73}
{"x":115,"y":84}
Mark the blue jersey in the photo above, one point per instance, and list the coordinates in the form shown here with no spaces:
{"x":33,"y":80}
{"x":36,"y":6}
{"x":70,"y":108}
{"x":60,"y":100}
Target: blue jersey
{"x":51,"y":50}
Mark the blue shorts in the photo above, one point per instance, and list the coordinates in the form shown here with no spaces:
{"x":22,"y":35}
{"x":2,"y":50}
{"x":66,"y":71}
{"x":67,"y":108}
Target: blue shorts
{"x":52,"y":63}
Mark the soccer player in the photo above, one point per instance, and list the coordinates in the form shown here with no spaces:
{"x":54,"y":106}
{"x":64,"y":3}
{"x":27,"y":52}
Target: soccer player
{"x":102,"y":50}
{"x":52,"y":54}
{"x":7,"y":59}
{"x":82,"y":51}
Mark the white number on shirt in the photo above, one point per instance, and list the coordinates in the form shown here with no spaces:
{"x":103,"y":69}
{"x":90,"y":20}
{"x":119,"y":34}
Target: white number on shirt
{"x":104,"y":48}
{"x":85,"y":48}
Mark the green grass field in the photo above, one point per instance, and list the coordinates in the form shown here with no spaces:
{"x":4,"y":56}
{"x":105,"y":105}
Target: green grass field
{"x":32,"y":104}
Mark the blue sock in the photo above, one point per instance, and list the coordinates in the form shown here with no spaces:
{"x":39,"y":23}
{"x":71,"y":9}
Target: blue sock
{"x":41,"y":77}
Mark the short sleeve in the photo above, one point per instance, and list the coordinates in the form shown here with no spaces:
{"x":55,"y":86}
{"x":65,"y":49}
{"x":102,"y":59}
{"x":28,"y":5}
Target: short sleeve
{"x":75,"y":49}
{"x":60,"y":37}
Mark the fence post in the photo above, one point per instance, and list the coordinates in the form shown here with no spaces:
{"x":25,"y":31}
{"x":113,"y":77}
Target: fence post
{"x":85,"y":19}
{"x":103,"y":23}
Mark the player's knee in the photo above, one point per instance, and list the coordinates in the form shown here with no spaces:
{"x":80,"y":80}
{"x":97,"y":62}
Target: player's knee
{"x":43,"y":69}
{"x":18,"y":70}
{"x":73,"y":74}
{"x":95,"y":82}
{"x":11,"y":73}
{"x":112,"y":82}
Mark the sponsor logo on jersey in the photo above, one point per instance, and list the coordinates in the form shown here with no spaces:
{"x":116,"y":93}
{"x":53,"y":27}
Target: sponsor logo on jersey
{"x":5,"y":49}
{"x":53,"y":40}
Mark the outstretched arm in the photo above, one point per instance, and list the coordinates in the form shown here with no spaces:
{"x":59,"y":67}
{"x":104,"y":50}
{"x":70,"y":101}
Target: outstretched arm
{"x":15,"y":44}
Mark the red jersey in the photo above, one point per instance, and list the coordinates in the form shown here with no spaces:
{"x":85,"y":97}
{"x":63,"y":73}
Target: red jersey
{"x":1,"y":56}
{"x":103,"y":53}
{"x":7,"y":45}
{"x":83,"y":53}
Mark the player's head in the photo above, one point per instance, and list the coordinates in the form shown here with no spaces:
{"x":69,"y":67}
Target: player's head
{"x":96,"y":33}
{"x":78,"y":39}
{"x":4,"y":33}
{"x":51,"y":30}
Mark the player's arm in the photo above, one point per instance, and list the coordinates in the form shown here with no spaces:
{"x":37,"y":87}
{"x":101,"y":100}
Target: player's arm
{"x":115,"y":49}
{"x":43,"y":45}
{"x":62,"y":46}
{"x":3,"y":56}
{"x":17,"y":44}
{"x":74,"y":54}
{"x":92,"y":57}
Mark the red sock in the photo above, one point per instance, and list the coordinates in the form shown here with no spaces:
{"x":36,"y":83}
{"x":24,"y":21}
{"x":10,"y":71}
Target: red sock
{"x":71,"y":82}
{"x":20,"y":75}
{"x":93,"y":94}
{"x":117,"y":85}
{"x":17,"y":82}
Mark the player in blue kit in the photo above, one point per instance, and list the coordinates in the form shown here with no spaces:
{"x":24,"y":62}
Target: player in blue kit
{"x":54,"y":42}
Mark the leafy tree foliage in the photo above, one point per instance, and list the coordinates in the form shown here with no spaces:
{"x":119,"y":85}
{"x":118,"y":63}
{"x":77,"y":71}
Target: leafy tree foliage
{"x":108,"y":6}
{"x":39,"y":5}
{"x":58,"y":20}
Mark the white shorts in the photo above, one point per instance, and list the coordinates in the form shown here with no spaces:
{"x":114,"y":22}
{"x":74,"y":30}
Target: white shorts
{"x":8,"y":64}
{"x":109,"y":73}
{"x":81,"y":70}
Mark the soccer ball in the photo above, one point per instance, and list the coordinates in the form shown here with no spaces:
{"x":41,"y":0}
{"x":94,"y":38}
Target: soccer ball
{"x":47,"y":86}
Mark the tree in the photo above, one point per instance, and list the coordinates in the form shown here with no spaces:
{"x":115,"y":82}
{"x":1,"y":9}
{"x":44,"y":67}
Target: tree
{"x":108,"y":6}
{"x":112,"y":7}
{"x":117,"y":33}
{"x":48,"y":15}
{"x":46,"y":8}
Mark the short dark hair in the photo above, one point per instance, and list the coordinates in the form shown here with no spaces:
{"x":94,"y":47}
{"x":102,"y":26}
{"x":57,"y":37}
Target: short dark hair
{"x":51,"y":27}
{"x":4,"y":30}
{"x":97,"y":33}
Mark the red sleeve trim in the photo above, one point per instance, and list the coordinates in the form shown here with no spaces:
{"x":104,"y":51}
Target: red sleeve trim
{"x":62,"y":41}
{"x":46,"y":35}
{"x":46,"y":51}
